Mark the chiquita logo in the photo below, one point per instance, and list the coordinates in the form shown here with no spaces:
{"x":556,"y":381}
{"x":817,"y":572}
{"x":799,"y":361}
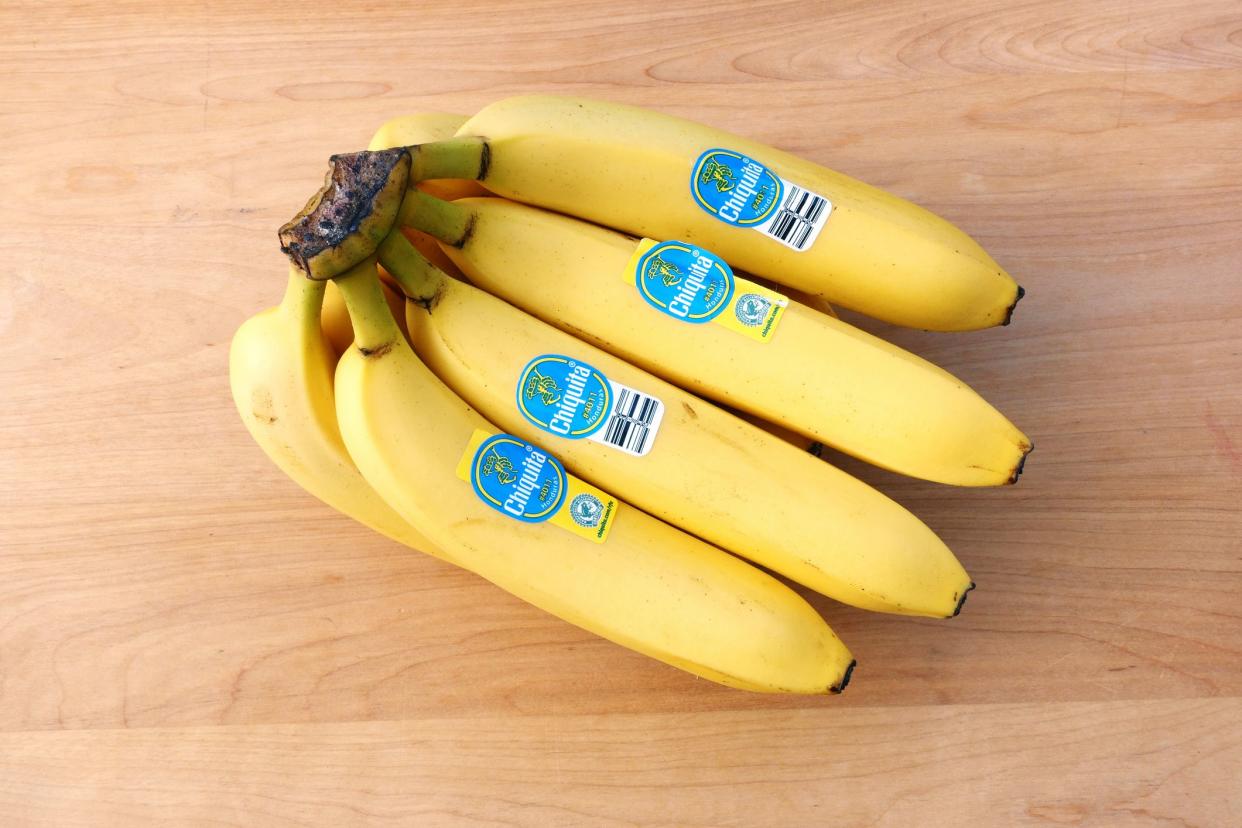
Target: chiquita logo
{"x":734,"y":188}
{"x":514,"y":477}
{"x":684,"y":281}
{"x":564,"y":396}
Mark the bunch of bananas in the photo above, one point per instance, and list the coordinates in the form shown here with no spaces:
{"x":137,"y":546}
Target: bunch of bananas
{"x":474,"y":357}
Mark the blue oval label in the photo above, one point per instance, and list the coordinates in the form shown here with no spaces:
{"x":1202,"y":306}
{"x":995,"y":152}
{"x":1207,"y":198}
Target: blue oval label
{"x":564,"y":396}
{"x":735,"y":188}
{"x":516,"y":478}
{"x":685,"y":281}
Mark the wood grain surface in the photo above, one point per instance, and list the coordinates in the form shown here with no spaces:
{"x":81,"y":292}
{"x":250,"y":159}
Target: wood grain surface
{"x":187,"y":638}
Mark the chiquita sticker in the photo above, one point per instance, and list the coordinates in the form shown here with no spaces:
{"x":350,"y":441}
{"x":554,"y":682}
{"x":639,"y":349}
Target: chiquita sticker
{"x":741,"y":191}
{"x":564,"y":396}
{"x":521,"y":481}
{"x":570,"y":398}
{"x":684,"y":281}
{"x":734,"y":188}
{"x":694,"y":285}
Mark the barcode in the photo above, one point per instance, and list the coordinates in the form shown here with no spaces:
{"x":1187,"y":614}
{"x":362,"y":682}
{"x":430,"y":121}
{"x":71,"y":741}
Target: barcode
{"x":796,"y":223}
{"x":633,"y":421}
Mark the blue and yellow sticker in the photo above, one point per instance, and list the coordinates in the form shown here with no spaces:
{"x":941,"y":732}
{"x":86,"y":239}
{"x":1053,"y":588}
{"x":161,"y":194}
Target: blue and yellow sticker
{"x":564,"y":396}
{"x":735,"y":188}
{"x":694,"y":285}
{"x":742,"y":192}
{"x":685,"y":281}
{"x":520,"y":480}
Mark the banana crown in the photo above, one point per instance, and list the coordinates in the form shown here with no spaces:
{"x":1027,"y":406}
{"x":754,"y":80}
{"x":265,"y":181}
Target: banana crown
{"x":344,"y":222}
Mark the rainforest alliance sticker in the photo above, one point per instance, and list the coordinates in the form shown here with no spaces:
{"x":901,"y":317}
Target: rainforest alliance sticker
{"x":694,"y":285}
{"x":572,"y":399}
{"x":741,"y":191}
{"x":527,"y":484}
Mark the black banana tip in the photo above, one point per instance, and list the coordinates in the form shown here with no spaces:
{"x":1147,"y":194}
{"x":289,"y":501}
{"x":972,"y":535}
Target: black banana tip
{"x":1009,"y":313}
{"x":845,"y":679}
{"x":962,"y":601}
{"x":1017,"y":472}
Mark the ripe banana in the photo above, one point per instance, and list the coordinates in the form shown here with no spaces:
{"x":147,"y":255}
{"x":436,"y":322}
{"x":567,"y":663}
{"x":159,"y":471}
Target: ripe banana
{"x":762,"y":210}
{"x":508,"y":511}
{"x":781,"y":361}
{"x":647,"y":586}
{"x":699,"y":467}
{"x":280,"y":371}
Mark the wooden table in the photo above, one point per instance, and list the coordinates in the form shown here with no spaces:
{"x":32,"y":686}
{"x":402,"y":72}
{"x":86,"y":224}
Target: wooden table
{"x":188,"y":638}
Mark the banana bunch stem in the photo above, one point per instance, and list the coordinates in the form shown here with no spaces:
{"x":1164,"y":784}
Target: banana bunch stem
{"x":375,"y":330}
{"x":462,"y":158}
{"x":419,"y":280}
{"x":443,"y":220}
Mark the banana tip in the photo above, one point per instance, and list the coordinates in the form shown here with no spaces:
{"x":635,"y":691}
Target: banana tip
{"x":845,"y":679}
{"x":1017,"y":471}
{"x":1017,"y":299}
{"x":962,"y":601}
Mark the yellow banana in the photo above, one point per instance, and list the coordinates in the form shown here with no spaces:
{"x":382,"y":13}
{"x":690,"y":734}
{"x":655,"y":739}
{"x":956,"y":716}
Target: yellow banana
{"x":815,"y":374}
{"x":503,"y":509}
{"x":762,"y":210}
{"x":647,"y":586}
{"x":280,"y":372}
{"x":700,"y":467}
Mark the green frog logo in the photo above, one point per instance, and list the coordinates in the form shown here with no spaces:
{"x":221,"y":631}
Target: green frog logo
{"x":714,"y":172}
{"x":500,"y":466}
{"x":666,"y":272}
{"x":541,"y":386}
{"x":752,"y":309}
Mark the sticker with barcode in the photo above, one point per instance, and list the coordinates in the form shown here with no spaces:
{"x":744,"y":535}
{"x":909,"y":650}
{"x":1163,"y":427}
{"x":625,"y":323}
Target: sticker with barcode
{"x":633,"y":423}
{"x":741,"y":191}
{"x":572,"y":399}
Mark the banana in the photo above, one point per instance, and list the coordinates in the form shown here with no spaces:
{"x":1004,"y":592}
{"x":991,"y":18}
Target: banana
{"x":815,"y":303}
{"x":280,"y":371}
{"x":704,"y":470}
{"x":762,"y":210}
{"x":815,"y":374}
{"x":646,"y":586}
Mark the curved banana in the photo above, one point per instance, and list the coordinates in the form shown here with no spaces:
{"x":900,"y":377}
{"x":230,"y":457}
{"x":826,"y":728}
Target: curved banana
{"x":699,"y":468}
{"x":762,"y":210}
{"x":280,"y":372}
{"x":815,"y":374}
{"x":647,"y":586}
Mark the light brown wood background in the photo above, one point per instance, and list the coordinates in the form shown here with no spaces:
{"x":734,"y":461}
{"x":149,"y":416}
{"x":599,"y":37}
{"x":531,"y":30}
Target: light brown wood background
{"x":187,"y":638}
